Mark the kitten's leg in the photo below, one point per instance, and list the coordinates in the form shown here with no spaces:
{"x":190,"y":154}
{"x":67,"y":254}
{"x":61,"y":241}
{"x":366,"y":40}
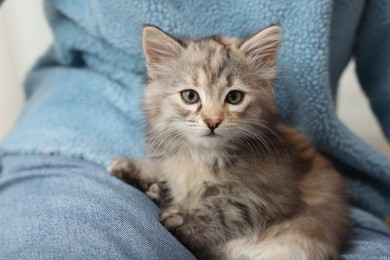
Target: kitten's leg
{"x":141,"y":177}
{"x":160,"y":193}
{"x":172,"y":217}
{"x":202,"y":229}
{"x":304,"y":237}
{"x":154,"y":192}
{"x":283,"y":247}
{"x":131,"y":172}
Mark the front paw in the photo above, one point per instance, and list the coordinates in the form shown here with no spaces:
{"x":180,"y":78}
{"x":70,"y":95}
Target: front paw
{"x":124,"y":167}
{"x":153,"y":192}
{"x":129,"y":171}
{"x":172,"y":218}
{"x":191,"y":233}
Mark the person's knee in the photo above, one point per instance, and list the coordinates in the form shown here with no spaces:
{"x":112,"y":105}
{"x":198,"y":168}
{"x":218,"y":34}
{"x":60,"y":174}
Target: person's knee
{"x":60,"y":207}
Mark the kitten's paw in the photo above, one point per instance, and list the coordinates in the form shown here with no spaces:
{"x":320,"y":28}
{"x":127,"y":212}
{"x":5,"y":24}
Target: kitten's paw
{"x":123,"y":167}
{"x":154,"y":192}
{"x":159,"y":192}
{"x":172,"y":218}
{"x":129,"y":171}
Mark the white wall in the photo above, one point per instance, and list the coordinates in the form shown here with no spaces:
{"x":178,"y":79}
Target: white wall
{"x":24,"y":35}
{"x":355,"y":112}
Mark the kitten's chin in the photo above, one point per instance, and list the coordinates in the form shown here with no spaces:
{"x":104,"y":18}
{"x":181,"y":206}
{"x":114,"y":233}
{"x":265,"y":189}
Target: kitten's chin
{"x":208,"y":141}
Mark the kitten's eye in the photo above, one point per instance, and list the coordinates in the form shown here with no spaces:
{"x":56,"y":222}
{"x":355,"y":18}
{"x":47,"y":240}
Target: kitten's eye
{"x":189,"y":96}
{"x":234,"y":97}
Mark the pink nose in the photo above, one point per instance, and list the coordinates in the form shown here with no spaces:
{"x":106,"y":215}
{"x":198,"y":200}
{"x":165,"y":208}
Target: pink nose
{"x":213,"y":123}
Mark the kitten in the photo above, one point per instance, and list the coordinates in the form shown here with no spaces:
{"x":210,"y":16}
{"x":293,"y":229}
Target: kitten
{"x":233,"y":181}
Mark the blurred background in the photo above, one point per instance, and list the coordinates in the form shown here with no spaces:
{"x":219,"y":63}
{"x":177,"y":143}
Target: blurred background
{"x":24,"y":35}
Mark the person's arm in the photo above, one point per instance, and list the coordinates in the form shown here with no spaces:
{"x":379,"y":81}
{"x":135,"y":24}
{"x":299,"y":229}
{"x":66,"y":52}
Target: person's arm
{"x":372,"y":54}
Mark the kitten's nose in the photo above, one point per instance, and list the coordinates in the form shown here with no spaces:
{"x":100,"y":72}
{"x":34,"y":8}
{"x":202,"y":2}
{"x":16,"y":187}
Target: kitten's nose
{"x":213,"y":123}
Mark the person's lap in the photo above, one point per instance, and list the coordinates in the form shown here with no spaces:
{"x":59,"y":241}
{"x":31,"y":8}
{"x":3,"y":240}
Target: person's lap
{"x":59,"y":207}
{"x":55,"y":207}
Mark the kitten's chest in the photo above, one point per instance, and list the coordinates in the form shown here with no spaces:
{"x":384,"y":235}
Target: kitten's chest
{"x":187,"y":179}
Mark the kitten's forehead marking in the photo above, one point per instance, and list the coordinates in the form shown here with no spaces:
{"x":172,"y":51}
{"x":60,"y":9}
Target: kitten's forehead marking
{"x":213,"y":57}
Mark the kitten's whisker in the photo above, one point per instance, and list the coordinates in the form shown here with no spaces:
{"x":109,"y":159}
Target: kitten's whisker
{"x":259,"y":138}
{"x":158,"y":139}
{"x":264,"y":124}
{"x":281,"y":141}
{"x":252,"y":151}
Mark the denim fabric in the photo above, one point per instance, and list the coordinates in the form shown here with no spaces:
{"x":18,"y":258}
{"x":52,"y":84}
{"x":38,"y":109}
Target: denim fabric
{"x":55,"y":207}
{"x":60,"y":208}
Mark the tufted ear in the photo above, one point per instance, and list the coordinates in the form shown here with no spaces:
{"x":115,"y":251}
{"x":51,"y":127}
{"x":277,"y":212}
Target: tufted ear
{"x":261,"y":50}
{"x":159,"y":48}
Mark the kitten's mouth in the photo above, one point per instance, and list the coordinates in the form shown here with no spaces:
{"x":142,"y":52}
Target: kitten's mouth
{"x":211,"y":135}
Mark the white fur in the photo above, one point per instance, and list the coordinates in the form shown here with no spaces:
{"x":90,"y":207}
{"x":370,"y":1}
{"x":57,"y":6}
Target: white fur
{"x":289,"y":247}
{"x":187,"y":173}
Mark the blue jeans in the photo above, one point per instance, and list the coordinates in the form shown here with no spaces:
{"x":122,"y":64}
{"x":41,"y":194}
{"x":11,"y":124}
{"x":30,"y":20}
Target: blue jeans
{"x":54,"y":207}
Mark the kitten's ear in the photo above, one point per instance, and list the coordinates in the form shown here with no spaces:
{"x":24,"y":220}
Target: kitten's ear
{"x":159,"y":47}
{"x":261,"y":50}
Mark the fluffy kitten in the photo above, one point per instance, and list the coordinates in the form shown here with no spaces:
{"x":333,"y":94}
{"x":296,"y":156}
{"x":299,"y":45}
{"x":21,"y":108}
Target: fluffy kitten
{"x":235,"y":182}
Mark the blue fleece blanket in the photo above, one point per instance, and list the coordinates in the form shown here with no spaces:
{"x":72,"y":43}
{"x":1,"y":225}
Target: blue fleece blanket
{"x":83,"y":96}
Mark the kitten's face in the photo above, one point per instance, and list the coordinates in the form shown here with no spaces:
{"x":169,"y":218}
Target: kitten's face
{"x":210,"y":91}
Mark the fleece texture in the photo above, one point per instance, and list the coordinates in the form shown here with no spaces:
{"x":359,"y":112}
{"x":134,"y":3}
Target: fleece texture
{"x":83,"y":96}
